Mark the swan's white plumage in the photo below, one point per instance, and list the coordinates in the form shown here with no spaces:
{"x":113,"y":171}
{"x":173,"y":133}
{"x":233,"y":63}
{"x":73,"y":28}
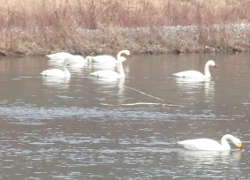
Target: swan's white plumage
{"x":58,"y":73}
{"x":193,"y":75}
{"x":103,"y":59}
{"x":75,"y":61}
{"x":106,"y":61}
{"x":107,"y":74}
{"x":59,"y":55}
{"x":206,"y":144}
{"x":103,"y":62}
{"x":110,"y":74}
{"x":68,"y":59}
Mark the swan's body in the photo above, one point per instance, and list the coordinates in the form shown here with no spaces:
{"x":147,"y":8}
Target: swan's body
{"x":56,"y":73}
{"x":75,"y":61}
{"x":106,"y":61}
{"x":58,"y":58}
{"x":67,"y":59}
{"x":103,"y":59}
{"x":107,"y":74}
{"x":59,"y":55}
{"x":193,"y":75}
{"x":112,"y":75}
{"x":206,"y":144}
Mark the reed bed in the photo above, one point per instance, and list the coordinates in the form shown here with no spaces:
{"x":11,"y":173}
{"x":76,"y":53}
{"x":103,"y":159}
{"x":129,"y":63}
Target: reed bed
{"x":143,"y":26}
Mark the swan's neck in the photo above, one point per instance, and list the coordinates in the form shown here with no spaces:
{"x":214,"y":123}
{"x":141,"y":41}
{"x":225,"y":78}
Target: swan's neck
{"x":119,"y":55}
{"x":224,"y":142}
{"x":66,"y":71}
{"x":120,"y":68}
{"x":120,"y":65}
{"x":207,"y":71}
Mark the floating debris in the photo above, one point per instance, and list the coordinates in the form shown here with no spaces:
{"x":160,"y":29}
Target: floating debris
{"x":142,"y":104}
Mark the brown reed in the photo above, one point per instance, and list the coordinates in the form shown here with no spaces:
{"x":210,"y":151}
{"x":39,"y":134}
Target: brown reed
{"x":97,"y":26}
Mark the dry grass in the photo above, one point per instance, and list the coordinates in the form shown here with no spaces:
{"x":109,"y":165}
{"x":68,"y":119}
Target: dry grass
{"x":42,"y":26}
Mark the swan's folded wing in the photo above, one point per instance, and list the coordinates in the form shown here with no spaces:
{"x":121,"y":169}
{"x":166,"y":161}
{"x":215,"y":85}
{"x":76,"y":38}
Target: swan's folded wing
{"x":189,"y":74}
{"x":59,"y":55}
{"x":201,"y":144}
{"x":103,"y":59}
{"x":189,"y":144}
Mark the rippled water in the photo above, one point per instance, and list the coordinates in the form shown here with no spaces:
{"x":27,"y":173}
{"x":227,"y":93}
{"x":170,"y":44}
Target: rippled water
{"x":54,"y":129}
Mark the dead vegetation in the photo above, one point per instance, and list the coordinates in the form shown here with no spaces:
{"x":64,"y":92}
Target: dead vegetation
{"x":143,"y":26}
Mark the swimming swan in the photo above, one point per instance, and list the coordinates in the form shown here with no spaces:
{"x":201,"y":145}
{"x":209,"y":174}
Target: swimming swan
{"x":59,"y":55}
{"x":112,"y":75}
{"x":67,"y":59}
{"x":56,"y":73}
{"x":106,"y":61}
{"x":75,"y":61}
{"x":205,"y":144}
{"x":196,"y":75}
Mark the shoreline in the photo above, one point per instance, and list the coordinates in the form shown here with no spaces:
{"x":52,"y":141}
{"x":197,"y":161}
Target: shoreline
{"x":229,"y":38}
{"x":89,"y":27}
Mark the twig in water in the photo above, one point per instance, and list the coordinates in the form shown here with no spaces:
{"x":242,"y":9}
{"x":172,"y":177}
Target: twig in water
{"x":146,"y":94}
{"x":142,"y":104}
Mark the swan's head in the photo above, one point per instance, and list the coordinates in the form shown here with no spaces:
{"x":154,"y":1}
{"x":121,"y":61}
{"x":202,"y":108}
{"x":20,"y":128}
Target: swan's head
{"x":121,"y":58}
{"x":240,"y":145}
{"x":126,"y":52}
{"x":211,"y":63}
{"x":236,"y":141}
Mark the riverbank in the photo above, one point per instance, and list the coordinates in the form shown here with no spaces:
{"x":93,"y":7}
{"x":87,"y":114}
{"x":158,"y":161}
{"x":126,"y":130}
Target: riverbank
{"x":87,"y":27}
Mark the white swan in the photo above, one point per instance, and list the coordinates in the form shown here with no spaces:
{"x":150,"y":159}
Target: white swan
{"x":106,"y":61}
{"x":110,"y":74}
{"x":67,"y":59}
{"x":193,"y":75}
{"x":210,"y":144}
{"x":75,"y":61}
{"x":56,"y":73}
{"x":59,"y":55}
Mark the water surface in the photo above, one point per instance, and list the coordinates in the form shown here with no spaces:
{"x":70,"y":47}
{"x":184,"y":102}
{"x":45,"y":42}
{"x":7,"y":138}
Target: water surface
{"x":60,"y":129}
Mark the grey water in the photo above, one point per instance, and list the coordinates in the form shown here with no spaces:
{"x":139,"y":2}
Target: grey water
{"x":62,"y":129}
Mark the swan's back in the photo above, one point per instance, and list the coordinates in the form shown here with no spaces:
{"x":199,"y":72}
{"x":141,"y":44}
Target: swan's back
{"x":104,"y":59}
{"x":191,"y":75}
{"x":58,"y":58}
{"x":104,"y":62}
{"x":75,"y":61}
{"x":106,"y":74}
{"x":52,"y":72}
{"x":201,"y":144}
{"x":75,"y":58}
{"x":108,"y":66}
{"x":59,"y":55}
{"x":55,"y":73}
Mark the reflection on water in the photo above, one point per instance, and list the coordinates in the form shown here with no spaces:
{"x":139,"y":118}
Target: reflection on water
{"x":59,"y":129}
{"x":103,"y":84}
{"x":204,"y":89}
{"x":198,"y":158}
{"x":204,"y":164}
{"x":56,"y":82}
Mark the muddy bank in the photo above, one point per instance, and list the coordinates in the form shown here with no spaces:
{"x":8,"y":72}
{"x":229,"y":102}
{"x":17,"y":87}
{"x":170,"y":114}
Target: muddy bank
{"x":231,"y":38}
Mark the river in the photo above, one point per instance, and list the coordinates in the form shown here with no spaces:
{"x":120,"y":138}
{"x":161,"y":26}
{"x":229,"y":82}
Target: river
{"x":62,"y":129}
